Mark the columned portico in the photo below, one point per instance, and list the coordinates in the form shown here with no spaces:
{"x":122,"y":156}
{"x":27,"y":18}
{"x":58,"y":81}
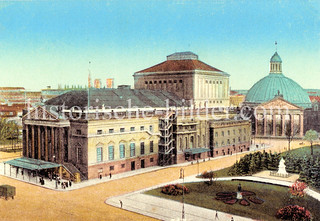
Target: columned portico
{"x":277,"y":115}
{"x":46,"y":141}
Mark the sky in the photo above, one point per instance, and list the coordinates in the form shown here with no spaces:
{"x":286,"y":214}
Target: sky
{"x":46,"y":43}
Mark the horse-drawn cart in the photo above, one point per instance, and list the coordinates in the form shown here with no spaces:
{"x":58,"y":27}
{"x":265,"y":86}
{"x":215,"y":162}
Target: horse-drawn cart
{"x":7,"y":191}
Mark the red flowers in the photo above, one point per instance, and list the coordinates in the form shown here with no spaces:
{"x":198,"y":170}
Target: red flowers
{"x":297,"y":189}
{"x":174,"y":189}
{"x":294,"y":212}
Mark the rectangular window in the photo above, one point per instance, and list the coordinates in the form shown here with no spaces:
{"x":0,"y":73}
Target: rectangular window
{"x":142,"y":148}
{"x":99,"y":154}
{"x":151,"y":160}
{"x":122,"y":129}
{"x":78,"y":132}
{"x":151,"y":146}
{"x":141,"y":127}
{"x":222,"y":133}
{"x":180,"y":81}
{"x":132,"y":149}
{"x":132,"y":128}
{"x":228,"y":141}
{"x":216,"y":134}
{"x":228,"y":132}
{"x":123,"y":165}
{"x":111,"y":131}
{"x":111,"y":168}
{"x":79,"y":155}
{"x":175,"y":81}
{"x":111,"y":152}
{"x":122,"y":150}
{"x":146,"y":82}
{"x":150,"y":128}
{"x":99,"y":131}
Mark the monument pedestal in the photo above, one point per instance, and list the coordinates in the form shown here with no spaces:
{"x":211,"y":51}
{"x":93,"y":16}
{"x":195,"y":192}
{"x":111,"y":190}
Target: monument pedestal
{"x":239,"y":195}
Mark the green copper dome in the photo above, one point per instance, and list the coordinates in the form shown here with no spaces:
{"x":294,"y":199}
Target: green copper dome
{"x":268,"y":87}
{"x":275,"y":58}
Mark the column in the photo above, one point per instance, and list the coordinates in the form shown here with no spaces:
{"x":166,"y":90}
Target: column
{"x":27,"y":141}
{"x":283,"y":120}
{"x":301,"y":125}
{"x":292,"y":122}
{"x":32,"y":141}
{"x":52,"y":144}
{"x":265,"y":125}
{"x":39,"y":143}
{"x":46,"y":142}
{"x":61,"y":144}
{"x":274,"y":124}
{"x":256,"y":125}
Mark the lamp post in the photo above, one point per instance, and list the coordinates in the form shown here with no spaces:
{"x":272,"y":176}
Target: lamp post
{"x":182,"y":176}
{"x":198,"y":165}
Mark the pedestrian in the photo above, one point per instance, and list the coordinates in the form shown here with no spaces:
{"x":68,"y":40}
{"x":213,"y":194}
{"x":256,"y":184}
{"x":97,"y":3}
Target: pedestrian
{"x":232,"y":218}
{"x":70,"y":183}
{"x":110,"y":175}
{"x":216,"y":215}
{"x":120,"y":204}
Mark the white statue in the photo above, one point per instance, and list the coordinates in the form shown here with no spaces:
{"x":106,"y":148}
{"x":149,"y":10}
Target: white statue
{"x":282,"y":168}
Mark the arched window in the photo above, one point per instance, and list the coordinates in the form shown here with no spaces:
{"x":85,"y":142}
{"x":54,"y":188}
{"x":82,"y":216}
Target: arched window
{"x":191,"y":142}
{"x":186,"y":142}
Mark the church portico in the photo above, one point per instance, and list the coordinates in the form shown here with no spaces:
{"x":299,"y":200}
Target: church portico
{"x":272,"y":119}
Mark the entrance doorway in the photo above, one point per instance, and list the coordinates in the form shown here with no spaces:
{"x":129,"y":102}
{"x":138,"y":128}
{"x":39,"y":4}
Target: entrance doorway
{"x":142,"y":163}
{"x":133,"y":165}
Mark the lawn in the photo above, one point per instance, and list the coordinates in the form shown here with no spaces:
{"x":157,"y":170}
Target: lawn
{"x":304,"y":151}
{"x":275,"y":197}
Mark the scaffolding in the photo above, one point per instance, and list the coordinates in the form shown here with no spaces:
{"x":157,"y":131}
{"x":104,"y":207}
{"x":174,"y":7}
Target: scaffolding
{"x":167,"y":143}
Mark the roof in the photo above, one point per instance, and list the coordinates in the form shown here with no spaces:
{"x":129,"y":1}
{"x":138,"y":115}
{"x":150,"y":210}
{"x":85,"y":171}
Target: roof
{"x":268,"y":87}
{"x":113,"y":98}
{"x":275,"y":58}
{"x":314,"y":98}
{"x":180,"y":65}
{"x":32,"y":164}
{"x":196,"y":150}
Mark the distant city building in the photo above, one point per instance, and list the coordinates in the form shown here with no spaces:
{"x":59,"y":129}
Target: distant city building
{"x":189,"y":78}
{"x":97,"y":83}
{"x":109,"y":83}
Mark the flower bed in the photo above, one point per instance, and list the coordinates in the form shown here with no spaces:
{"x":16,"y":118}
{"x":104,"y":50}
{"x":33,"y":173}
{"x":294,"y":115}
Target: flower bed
{"x":244,"y":202}
{"x":256,"y":200}
{"x":294,"y":212}
{"x":298,"y":189}
{"x":226,"y":194}
{"x":174,"y":189}
{"x":247,"y":193}
{"x":230,"y":202}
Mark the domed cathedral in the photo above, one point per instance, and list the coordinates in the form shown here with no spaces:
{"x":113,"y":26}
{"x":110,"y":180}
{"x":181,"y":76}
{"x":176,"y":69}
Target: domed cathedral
{"x":277,"y":104}
{"x":183,"y":74}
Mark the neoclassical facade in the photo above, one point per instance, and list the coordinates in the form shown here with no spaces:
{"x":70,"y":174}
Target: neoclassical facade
{"x":189,"y":78}
{"x":273,"y":118}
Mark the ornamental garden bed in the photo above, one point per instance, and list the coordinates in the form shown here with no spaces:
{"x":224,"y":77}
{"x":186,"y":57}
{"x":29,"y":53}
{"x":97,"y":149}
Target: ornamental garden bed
{"x":264,"y":203}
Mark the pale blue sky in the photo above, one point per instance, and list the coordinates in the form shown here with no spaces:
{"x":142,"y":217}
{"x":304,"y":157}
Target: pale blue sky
{"x":50,"y":42}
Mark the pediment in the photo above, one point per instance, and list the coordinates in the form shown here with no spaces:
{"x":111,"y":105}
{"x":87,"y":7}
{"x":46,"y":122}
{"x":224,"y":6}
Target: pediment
{"x":40,"y":113}
{"x":279,"y":103}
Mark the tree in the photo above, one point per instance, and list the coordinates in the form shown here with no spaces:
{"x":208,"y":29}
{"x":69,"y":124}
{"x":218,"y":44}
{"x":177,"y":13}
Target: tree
{"x":290,"y":132}
{"x":311,"y":136}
